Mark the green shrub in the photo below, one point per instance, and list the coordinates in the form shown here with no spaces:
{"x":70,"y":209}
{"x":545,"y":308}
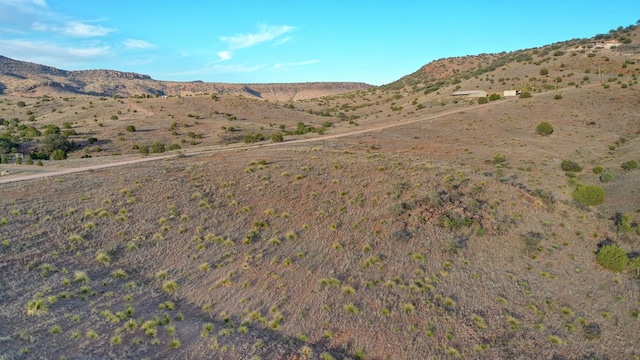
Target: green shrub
{"x":277,"y":137}
{"x":494,"y":97}
{"x":544,"y":71}
{"x":589,"y":195}
{"x":557,"y":97}
{"x":630,"y":165}
{"x":482,"y":100}
{"x":597,"y":170}
{"x":612,"y":257}
{"x":607,"y":176}
{"x":572,"y":166}
{"x":525,"y":94}
{"x":58,"y":155}
{"x":157,"y":147}
{"x":544,"y":129}
{"x":21,"y":104}
{"x":130,"y":128}
{"x":114,"y":117}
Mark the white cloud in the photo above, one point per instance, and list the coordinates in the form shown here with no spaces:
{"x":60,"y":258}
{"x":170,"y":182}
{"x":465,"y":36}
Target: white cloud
{"x":50,"y":54}
{"x":138,"y":44}
{"x":265,"y":33}
{"x":78,"y":29}
{"x":294,"y":64}
{"x":74,"y":29}
{"x":224,"y":55}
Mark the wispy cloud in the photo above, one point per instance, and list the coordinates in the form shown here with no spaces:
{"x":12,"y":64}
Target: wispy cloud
{"x":138,"y":44}
{"x":266,"y":33}
{"x":74,"y":29}
{"x":50,"y":53}
{"x":280,"y":66}
{"x":218,"y":69}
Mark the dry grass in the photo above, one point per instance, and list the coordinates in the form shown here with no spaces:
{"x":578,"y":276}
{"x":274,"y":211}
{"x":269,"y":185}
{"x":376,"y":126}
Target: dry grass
{"x":412,"y":241}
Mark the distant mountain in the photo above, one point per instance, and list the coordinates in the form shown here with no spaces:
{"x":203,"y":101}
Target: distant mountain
{"x":25,"y":78}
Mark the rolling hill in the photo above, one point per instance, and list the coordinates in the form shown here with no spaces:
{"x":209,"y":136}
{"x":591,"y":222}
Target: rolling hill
{"x":393,"y":222}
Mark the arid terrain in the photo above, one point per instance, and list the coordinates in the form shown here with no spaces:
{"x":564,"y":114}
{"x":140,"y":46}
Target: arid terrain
{"x":344,"y":222}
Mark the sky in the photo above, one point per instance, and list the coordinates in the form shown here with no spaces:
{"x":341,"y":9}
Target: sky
{"x":243,"y":41}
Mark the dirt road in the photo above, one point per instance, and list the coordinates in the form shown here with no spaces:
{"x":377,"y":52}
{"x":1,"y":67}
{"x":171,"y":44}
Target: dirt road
{"x":18,"y":177}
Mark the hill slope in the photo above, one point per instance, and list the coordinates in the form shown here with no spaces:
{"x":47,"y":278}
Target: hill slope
{"x":409,"y":224}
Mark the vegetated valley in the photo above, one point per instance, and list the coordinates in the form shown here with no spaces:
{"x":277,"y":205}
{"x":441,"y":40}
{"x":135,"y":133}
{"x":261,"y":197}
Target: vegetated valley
{"x":392,"y":222}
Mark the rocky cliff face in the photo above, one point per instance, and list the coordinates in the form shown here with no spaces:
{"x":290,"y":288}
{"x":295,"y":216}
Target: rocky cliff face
{"x":24,"y":78}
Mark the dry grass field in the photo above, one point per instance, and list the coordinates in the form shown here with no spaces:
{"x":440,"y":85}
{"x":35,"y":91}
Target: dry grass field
{"x":396,"y":222}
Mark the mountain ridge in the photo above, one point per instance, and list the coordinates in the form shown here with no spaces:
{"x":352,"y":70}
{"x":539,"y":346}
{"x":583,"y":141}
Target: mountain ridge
{"x":30,"y":79}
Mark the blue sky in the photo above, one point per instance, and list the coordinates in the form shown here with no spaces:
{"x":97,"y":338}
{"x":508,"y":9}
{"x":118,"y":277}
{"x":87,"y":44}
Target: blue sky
{"x":240,"y":41}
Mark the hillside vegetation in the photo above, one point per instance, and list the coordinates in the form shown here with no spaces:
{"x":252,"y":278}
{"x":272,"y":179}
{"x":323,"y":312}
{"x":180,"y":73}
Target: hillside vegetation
{"x":396,"y":222}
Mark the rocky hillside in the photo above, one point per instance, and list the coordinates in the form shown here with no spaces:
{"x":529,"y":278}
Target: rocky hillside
{"x":29,"y":79}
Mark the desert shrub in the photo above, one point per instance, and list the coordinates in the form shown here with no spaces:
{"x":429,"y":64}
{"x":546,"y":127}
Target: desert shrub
{"x":130,"y":128}
{"x":592,"y":331}
{"x":157,"y":147}
{"x":144,"y":150}
{"x":21,"y":104}
{"x":174,"y":147}
{"x":58,"y":155}
{"x":494,"y":97}
{"x":589,"y":195}
{"x":612,"y":257}
{"x":482,"y":100}
{"x":544,"y":129}
{"x":114,"y":117}
{"x":557,"y":97}
{"x":630,"y":165}
{"x":252,"y":138}
{"x":525,"y":94}
{"x":572,"y":166}
{"x":544,"y":71}
{"x":277,"y":137}
{"x":607,"y":176}
{"x":597,"y":170}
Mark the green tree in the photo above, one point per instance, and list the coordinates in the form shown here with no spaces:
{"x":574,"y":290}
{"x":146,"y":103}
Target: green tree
{"x":7,"y":145}
{"x":51,"y":129}
{"x":55,"y":141}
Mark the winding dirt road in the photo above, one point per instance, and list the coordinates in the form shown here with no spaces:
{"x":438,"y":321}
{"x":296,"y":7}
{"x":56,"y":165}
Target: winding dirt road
{"x":44,"y":174}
